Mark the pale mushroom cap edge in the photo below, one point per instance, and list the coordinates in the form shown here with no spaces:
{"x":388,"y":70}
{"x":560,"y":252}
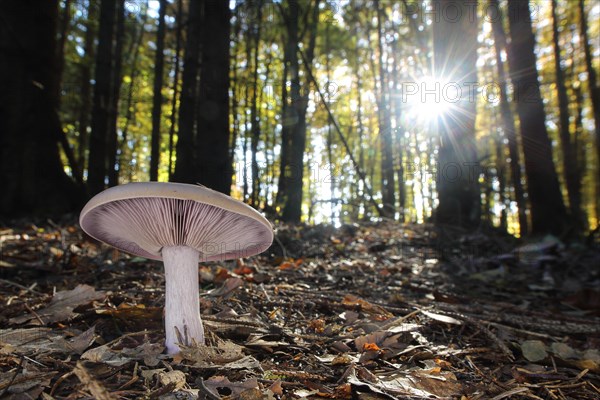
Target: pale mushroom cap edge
{"x":227,"y":229}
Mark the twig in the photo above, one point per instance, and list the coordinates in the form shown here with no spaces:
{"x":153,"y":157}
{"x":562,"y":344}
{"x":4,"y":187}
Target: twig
{"x":281,"y":245}
{"x":34,"y":314}
{"x":8,"y":385}
{"x":209,"y":393}
{"x":59,"y":381}
{"x":25,"y":288}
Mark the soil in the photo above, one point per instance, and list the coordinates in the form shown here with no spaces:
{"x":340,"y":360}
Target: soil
{"x":368,"y":311}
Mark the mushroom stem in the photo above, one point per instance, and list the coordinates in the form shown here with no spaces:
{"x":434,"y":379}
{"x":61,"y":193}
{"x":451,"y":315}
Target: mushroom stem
{"x":182,"y":300}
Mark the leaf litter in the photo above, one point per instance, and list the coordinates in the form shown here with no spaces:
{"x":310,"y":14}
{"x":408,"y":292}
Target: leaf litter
{"x":372,"y":310}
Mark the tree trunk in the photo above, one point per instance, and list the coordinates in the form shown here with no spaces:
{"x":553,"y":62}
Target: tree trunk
{"x":97,"y":166}
{"x":255,"y":119}
{"x":31,"y":171}
{"x":184,"y":167}
{"x":508,"y":121}
{"x":455,"y":57}
{"x":571,"y":172}
{"x":159,"y":62}
{"x":117,"y":79}
{"x":360,"y":189}
{"x":594,"y":90}
{"x":329,"y":141}
{"x":65,"y":21}
{"x":176,"y":63}
{"x":548,"y":213}
{"x":388,"y":187}
{"x":86,"y":85}
{"x":399,"y":131}
{"x":129,"y":106}
{"x":292,"y":210}
{"x":235,"y":86}
{"x":286,"y":121}
{"x":212,"y":147}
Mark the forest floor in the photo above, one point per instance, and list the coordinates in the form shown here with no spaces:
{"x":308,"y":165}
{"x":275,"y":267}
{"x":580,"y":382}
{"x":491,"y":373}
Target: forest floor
{"x":367,"y":311}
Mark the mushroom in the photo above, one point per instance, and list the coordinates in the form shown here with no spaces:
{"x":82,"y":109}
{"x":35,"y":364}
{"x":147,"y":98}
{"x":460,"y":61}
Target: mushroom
{"x":181,"y":225}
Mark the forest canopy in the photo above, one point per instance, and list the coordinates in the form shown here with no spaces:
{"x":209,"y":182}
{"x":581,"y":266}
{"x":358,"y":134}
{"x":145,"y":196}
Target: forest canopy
{"x":458,"y":112}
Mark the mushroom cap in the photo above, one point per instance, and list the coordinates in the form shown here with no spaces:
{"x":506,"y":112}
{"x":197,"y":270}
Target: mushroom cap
{"x":142,"y":218}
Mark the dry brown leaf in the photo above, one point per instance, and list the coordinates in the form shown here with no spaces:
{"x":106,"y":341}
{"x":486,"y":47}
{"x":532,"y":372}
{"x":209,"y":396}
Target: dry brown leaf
{"x":130,"y":312}
{"x":235,"y":388}
{"x":92,"y":385}
{"x":61,"y":307}
{"x":354,"y":301}
{"x":228,"y":286}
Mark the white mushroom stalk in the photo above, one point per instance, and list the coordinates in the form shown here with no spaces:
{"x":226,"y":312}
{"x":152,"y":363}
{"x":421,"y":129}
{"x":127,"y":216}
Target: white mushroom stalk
{"x":181,"y":225}
{"x":183,"y":323}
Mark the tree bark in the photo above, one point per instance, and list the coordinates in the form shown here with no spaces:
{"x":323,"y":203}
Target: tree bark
{"x":116,"y":81}
{"x":212,"y":148}
{"x":508,"y":121}
{"x":286,"y":120}
{"x":33,"y":179}
{"x":455,"y":57}
{"x":97,"y":165}
{"x":388,"y":187}
{"x":184,"y":167}
{"x":176,"y":63}
{"x":89,"y":49}
{"x":329,"y":140}
{"x":292,"y":211}
{"x":157,"y":101}
{"x":548,"y":212}
{"x":571,"y":172}
{"x":255,"y":119}
{"x":65,"y":21}
{"x":594,"y":90}
{"x":129,"y":104}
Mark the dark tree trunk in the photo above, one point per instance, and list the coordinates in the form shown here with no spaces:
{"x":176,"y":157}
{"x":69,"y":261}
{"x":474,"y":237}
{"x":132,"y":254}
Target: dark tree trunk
{"x":286,"y":121}
{"x":399,"y":131}
{"x":176,"y":68}
{"x":31,"y":171}
{"x":329,"y":141}
{"x":292,"y":211}
{"x":184,"y":167}
{"x":129,"y":104}
{"x":255,"y":119}
{"x":235,"y":86}
{"x":593,"y":88}
{"x":292,"y":174}
{"x":548,"y":212}
{"x":388,"y":187}
{"x":159,"y":62}
{"x":571,"y":171}
{"x":97,"y":165}
{"x":116,"y":81}
{"x":500,"y":171}
{"x":455,"y":57}
{"x":212,"y":148}
{"x":65,"y":21}
{"x":86,"y":85}
{"x":508,"y":121}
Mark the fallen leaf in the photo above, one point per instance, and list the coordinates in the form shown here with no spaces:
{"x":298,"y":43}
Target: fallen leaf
{"x":534,"y":350}
{"x":90,"y":384}
{"x":351,"y":300}
{"x":24,"y":383}
{"x":174,"y":378}
{"x":442,"y":318}
{"x":234,"y":388}
{"x":128,"y":312}
{"x":61,"y":307}
{"x":228,"y":286}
